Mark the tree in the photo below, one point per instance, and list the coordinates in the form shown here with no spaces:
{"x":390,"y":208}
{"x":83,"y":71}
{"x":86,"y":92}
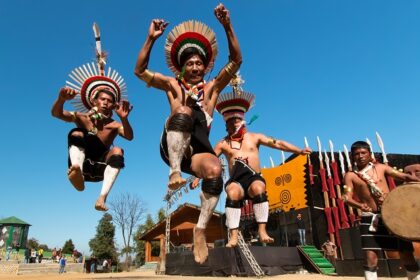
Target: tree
{"x":161,"y":215}
{"x":127,"y":211}
{"x":139,"y":249}
{"x":68,"y":247}
{"x":44,"y":247}
{"x":103,"y":244}
{"x":33,"y":243}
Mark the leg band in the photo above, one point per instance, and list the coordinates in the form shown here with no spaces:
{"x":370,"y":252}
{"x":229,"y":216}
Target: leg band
{"x":260,"y":198}
{"x":116,"y":161}
{"x":371,"y":269}
{"x":233,"y":217}
{"x":78,"y":141}
{"x":180,"y":122}
{"x":234,"y":203}
{"x":212,"y":186}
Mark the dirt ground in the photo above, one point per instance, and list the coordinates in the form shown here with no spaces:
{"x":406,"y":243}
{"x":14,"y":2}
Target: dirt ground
{"x":153,"y":276}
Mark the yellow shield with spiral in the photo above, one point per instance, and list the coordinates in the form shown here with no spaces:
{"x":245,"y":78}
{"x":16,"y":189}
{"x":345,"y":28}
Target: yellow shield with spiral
{"x":286,"y":185}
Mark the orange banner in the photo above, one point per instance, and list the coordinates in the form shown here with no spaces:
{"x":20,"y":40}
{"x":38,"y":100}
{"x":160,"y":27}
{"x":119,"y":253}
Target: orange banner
{"x":286,"y":185}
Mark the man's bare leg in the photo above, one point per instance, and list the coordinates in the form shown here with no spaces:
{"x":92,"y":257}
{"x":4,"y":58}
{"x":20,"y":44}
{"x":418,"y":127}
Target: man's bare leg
{"x":233,"y":240}
{"x":75,"y":176}
{"x":201,"y":251}
{"x":110,"y":175}
{"x":178,"y":138}
{"x":75,"y":172}
{"x":264,"y":237}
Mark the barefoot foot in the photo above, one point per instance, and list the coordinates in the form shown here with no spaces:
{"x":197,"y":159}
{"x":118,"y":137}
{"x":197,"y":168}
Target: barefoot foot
{"x":233,"y":241}
{"x":100,"y":204}
{"x":176,"y":181}
{"x":201,"y":251}
{"x":76,"y":177}
{"x":265,"y":238}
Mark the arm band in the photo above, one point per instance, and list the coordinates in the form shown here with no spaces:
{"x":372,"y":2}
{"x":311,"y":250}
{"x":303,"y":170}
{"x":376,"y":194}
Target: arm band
{"x":231,"y":68}
{"x":73,"y":116}
{"x":147,"y":76}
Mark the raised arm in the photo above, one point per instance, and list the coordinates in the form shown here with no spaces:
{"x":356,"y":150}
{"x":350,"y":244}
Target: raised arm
{"x":123,"y":109}
{"x":156,"y":80}
{"x":282,"y":145}
{"x":235,"y":55}
{"x":57,"y":108}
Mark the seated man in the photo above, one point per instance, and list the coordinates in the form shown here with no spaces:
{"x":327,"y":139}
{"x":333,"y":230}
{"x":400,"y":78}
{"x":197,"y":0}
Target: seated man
{"x":241,"y":148}
{"x":91,"y":157}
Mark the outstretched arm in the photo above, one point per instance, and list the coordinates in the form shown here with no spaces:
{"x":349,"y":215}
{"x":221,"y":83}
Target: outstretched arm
{"x":282,"y":145}
{"x":400,"y":176}
{"x":235,"y":55}
{"x":57,"y":108}
{"x":157,"y":80}
{"x":123,"y":109}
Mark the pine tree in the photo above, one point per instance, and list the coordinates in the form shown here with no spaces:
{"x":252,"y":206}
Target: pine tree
{"x":103,"y":244}
{"x":68,"y":247}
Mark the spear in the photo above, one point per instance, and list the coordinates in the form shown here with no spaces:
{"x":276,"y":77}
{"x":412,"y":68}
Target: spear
{"x":337,"y":183}
{"x":372,"y":155}
{"x":271,"y":161}
{"x":343,"y":172}
{"x":327,"y":208}
{"x":310,"y":166}
{"x":100,"y":57}
{"x":283,"y":158}
{"x":390,"y":180}
{"x":350,"y":168}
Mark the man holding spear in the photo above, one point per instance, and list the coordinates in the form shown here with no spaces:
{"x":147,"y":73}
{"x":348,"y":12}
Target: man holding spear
{"x":368,"y":182}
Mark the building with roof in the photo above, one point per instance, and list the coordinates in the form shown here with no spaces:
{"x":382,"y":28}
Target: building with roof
{"x":13,"y":232}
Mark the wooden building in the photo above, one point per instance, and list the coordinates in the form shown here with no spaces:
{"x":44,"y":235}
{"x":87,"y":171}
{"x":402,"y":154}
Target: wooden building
{"x":183,"y":221}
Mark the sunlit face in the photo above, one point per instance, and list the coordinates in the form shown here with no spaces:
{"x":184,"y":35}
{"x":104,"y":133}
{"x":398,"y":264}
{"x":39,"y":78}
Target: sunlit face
{"x":194,"y":69}
{"x":361,"y":157}
{"x":104,"y":102}
{"x":233,"y":124}
{"x":413,"y":169}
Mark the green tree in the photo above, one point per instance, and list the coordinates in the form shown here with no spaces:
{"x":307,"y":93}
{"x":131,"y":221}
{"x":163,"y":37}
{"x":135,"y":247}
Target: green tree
{"x":44,"y":247}
{"x":161,"y":215}
{"x":33,"y":243}
{"x":103,"y":244}
{"x":68,"y":247}
{"x":139,"y":244}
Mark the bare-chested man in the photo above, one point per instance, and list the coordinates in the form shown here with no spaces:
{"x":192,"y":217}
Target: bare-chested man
{"x":241,"y":148}
{"x":91,"y":157}
{"x":190,"y":53}
{"x":368,"y":183}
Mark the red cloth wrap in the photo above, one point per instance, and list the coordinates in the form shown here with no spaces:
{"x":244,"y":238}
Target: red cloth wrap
{"x":337,"y":226}
{"x":334,"y":168}
{"x":391,"y":183}
{"x":343,"y":215}
{"x":311,"y":174}
{"x":331,"y":187}
{"x":329,"y":220}
{"x":323,"y":180}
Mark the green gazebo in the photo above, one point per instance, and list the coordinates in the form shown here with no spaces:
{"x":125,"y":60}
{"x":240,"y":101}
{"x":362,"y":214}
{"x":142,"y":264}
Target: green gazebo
{"x":13,"y":232}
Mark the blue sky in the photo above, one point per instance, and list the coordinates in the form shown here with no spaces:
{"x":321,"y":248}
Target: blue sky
{"x":340,"y":70}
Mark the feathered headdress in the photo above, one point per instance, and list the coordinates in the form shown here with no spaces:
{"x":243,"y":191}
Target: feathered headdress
{"x":235,"y":104}
{"x":190,"y":34}
{"x":90,"y":79}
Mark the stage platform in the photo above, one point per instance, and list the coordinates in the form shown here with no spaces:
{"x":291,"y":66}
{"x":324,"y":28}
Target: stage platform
{"x":228,"y":261}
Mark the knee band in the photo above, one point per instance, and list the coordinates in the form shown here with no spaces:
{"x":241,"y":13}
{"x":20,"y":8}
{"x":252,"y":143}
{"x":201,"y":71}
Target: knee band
{"x":116,"y":161}
{"x":234,"y":203}
{"x":77,"y":141}
{"x":371,"y":269}
{"x":180,"y":122}
{"x":260,"y":198}
{"x":212,"y":186}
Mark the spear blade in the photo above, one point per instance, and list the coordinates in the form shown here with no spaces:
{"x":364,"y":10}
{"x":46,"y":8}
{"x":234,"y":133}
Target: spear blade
{"x":341,"y":160}
{"x":283,"y":158}
{"x":319,"y":149}
{"x":331,"y":150}
{"x":346,"y":153}
{"x":372,"y":155}
{"x":382,"y":147}
{"x":327,"y":162}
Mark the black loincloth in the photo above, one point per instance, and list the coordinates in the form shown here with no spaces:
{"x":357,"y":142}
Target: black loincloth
{"x":244,"y":175}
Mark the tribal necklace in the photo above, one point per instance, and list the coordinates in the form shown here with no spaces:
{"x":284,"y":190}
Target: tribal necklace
{"x":374,"y":189}
{"x":196,"y":92}
{"x":237,"y":137}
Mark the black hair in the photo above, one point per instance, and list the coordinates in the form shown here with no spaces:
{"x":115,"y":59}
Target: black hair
{"x":188,"y":52}
{"x":360,"y":145}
